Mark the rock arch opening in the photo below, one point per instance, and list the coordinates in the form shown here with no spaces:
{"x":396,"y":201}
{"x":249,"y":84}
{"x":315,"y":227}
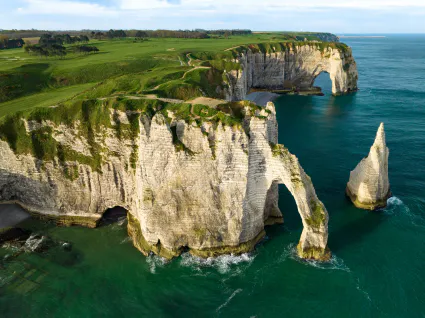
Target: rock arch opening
{"x":289,"y":209}
{"x":113,"y":215}
{"x":323,"y":82}
{"x":314,"y":236}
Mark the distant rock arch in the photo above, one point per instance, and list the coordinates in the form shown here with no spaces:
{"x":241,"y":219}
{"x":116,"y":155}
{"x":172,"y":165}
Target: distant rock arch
{"x":297,"y":67}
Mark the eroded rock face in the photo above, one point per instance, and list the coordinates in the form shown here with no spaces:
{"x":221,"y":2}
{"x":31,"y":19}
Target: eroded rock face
{"x":213,"y":195}
{"x":369,"y":186}
{"x":296,"y":67}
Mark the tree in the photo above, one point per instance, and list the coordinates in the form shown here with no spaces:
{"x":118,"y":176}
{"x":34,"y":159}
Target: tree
{"x":84,"y":38}
{"x":84,"y":49}
{"x":46,"y":51}
{"x":141,"y":34}
{"x":67,"y":39}
{"x":99,"y":35}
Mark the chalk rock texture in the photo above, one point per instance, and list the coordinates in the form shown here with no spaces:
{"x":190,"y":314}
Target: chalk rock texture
{"x":294,"y":67}
{"x":369,"y":186}
{"x":209,"y":189}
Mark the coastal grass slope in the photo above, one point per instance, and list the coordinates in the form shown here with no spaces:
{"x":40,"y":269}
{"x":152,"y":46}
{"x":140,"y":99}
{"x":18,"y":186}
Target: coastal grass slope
{"x":173,"y":68}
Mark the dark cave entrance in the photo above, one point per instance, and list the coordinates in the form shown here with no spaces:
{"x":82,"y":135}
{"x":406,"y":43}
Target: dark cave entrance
{"x":323,"y":80}
{"x":12,"y":215}
{"x":113,"y":215}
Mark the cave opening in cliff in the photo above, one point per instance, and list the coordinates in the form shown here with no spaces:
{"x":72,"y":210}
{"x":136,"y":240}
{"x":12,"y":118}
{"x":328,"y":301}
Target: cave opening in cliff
{"x":323,"y":80}
{"x":12,"y":215}
{"x":113,"y":215}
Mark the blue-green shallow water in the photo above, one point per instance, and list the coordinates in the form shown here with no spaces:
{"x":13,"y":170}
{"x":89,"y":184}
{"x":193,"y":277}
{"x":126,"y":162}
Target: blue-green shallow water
{"x":378,"y":267}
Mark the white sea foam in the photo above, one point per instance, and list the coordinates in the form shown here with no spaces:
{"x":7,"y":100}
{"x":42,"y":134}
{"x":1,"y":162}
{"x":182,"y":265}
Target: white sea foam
{"x":365,"y":293}
{"x":335,"y":263}
{"x":222,"y":263}
{"x":121,"y":221}
{"x":395,"y":206}
{"x":33,"y":242}
{"x":126,"y":240}
{"x":155,"y":262}
{"x":237,"y":291}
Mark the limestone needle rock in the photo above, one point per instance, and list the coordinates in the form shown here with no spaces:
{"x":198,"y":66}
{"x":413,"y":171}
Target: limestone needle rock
{"x":369,"y":187}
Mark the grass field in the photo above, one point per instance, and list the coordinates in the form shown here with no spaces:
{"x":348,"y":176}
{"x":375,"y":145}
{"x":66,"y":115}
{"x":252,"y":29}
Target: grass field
{"x":45,"y":98}
{"x":142,"y":78}
{"x":122,"y":66}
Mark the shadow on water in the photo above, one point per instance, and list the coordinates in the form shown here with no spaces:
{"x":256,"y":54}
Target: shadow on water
{"x":334,"y":105}
{"x":361,"y":224}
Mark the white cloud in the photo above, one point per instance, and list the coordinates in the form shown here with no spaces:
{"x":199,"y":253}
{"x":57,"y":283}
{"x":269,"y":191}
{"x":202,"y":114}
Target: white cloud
{"x":65,"y":7}
{"x":87,"y":8}
{"x":232,"y":5}
{"x":143,"y":5}
{"x":323,"y":15}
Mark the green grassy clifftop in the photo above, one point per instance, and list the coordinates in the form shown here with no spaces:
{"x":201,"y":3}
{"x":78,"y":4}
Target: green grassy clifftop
{"x":173,"y":68}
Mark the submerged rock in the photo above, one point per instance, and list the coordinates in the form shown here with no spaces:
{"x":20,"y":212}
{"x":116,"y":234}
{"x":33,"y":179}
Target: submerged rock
{"x":369,"y":187}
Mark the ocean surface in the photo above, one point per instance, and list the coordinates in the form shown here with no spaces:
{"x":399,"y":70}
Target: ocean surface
{"x":378,"y":263}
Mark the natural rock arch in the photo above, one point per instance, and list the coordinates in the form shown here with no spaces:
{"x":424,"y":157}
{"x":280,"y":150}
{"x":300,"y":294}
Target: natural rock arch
{"x":314,"y":237}
{"x":209,"y":196}
{"x":271,"y":164}
{"x":296,"y":67}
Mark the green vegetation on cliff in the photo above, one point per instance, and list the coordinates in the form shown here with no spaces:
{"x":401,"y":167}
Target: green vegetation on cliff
{"x":86,"y":93}
{"x":36,"y":132}
{"x":167,"y":67}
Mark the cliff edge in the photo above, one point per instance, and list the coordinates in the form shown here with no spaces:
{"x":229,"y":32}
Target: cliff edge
{"x":191,"y":177}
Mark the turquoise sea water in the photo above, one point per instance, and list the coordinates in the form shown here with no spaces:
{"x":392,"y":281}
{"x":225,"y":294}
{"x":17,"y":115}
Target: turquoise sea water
{"x":378,"y":264}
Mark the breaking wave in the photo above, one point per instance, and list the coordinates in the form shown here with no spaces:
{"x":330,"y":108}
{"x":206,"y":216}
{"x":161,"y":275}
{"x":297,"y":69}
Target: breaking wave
{"x":155,"y":262}
{"x":222,"y":263}
{"x":395,"y":206}
{"x":335,"y":263}
{"x":34,"y":242}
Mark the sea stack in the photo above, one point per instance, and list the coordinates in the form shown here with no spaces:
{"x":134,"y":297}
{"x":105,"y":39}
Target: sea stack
{"x":369,"y":187}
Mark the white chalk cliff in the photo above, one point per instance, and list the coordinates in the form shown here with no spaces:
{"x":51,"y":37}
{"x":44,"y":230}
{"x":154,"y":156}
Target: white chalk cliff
{"x":211,"y":196}
{"x":293,"y":66}
{"x":369,"y":186}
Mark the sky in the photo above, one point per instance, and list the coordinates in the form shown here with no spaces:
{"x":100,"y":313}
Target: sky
{"x":342,"y":16}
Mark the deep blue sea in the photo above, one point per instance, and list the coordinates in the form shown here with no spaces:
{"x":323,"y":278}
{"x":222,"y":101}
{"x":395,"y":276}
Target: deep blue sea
{"x":378,"y":263}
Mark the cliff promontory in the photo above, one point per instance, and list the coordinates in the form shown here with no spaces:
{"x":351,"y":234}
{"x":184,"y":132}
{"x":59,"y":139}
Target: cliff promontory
{"x":192,"y":177}
{"x":283,"y":66}
{"x":369,"y":186}
{"x":196,"y":167}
